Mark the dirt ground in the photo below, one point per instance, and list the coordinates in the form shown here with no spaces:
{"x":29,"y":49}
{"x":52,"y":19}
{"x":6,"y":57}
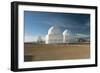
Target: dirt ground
{"x":42,"y":52}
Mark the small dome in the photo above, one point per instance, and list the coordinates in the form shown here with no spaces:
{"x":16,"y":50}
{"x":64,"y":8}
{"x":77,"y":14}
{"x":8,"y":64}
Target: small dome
{"x":66,"y":32}
{"x":54,"y":30}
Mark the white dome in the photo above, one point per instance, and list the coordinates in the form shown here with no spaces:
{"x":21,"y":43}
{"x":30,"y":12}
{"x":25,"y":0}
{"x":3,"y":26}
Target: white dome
{"x":66,"y":32}
{"x":54,"y":30}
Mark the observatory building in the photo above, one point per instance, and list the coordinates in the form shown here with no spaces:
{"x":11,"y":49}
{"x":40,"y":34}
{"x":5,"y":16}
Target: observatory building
{"x":67,"y":36}
{"x":54,"y":35}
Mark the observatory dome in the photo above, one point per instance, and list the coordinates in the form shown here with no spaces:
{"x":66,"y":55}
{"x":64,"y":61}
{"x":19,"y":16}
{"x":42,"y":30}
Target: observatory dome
{"x":54,"y":30}
{"x":54,"y":35}
{"x":66,"y":32}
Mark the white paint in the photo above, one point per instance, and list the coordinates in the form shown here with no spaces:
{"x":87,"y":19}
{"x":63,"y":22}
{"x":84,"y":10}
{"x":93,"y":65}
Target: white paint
{"x":5,"y":36}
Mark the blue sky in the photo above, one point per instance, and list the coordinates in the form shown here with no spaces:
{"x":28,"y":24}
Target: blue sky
{"x":38,"y":23}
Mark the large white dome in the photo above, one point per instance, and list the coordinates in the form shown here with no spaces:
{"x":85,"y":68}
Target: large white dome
{"x":54,"y":30}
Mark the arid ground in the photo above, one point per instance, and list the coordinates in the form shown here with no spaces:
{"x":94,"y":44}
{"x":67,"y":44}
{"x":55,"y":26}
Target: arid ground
{"x":42,"y":52}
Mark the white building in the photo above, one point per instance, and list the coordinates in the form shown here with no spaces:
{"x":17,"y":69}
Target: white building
{"x":67,"y":36}
{"x":54,"y":35}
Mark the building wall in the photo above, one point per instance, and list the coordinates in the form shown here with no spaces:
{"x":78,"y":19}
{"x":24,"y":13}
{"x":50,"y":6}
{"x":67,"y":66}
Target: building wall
{"x":54,"y":39}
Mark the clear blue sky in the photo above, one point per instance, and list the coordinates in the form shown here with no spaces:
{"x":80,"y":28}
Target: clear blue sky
{"x":38,"y":23}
